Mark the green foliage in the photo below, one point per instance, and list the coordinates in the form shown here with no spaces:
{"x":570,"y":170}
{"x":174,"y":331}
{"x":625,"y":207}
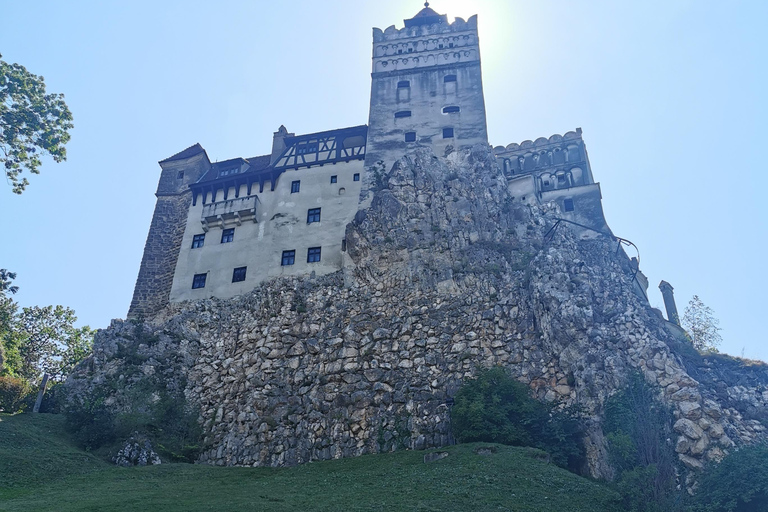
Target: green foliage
{"x":50,"y":342}
{"x":639,"y":431}
{"x":97,"y":421}
{"x":702,"y":326}
{"x":738,"y":484}
{"x":39,"y":339}
{"x":496,"y":408}
{"x":32,"y":124}
{"x":14,"y":393}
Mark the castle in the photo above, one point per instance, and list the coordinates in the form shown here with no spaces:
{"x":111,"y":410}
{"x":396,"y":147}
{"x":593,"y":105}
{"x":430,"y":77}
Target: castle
{"x":219,"y":229}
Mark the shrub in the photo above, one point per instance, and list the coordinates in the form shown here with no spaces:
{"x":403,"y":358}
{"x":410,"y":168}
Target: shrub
{"x":164,"y":417}
{"x":496,"y":408}
{"x":638,"y":428}
{"x":738,"y":484}
{"x":14,"y":394}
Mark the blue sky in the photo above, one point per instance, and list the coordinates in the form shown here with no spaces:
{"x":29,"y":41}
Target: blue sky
{"x":671,"y":96}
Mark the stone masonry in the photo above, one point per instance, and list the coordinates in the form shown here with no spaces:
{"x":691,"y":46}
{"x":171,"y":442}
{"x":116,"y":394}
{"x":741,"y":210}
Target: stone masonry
{"x":443,"y":274}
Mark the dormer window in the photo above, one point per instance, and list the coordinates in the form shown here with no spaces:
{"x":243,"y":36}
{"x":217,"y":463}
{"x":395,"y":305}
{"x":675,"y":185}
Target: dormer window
{"x":228,"y":172}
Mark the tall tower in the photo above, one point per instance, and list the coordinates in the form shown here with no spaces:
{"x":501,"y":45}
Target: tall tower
{"x":426,"y":90}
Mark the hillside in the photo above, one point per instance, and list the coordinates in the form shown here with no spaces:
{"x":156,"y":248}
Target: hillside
{"x":41,"y":470}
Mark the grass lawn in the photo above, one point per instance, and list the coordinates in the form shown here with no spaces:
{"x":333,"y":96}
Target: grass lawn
{"x":41,"y":470}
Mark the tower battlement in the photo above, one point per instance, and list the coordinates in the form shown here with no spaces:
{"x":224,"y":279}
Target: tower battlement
{"x":425,"y":45}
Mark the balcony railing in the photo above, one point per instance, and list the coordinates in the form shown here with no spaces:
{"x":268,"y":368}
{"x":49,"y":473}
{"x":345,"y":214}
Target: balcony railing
{"x":232,"y":212}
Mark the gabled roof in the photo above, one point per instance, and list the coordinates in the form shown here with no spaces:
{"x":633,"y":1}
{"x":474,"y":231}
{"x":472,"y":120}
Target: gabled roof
{"x":191,"y":151}
{"x":426,"y":16}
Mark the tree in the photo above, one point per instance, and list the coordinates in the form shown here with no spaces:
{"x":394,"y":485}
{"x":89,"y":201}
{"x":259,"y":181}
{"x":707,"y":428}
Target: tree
{"x":32,"y":124}
{"x":638,"y":427}
{"x":702,"y":326}
{"x":496,"y":408}
{"x":50,"y":342}
{"x":7,"y":311}
{"x":738,"y":484}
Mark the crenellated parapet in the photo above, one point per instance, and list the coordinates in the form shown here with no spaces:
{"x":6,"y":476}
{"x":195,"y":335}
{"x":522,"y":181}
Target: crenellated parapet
{"x":425,"y":45}
{"x":560,"y":160}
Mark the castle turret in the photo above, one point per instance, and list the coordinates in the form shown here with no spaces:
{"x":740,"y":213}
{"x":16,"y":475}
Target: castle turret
{"x":669,"y":302}
{"x":161,"y":251}
{"x":426,"y":89}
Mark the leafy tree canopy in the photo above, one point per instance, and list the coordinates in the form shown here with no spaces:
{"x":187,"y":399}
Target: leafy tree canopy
{"x":32,"y":124}
{"x":496,"y":408}
{"x":702,"y":326}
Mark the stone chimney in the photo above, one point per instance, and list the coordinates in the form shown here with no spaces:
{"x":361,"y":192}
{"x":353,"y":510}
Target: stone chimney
{"x":278,"y":142}
{"x":669,"y":302}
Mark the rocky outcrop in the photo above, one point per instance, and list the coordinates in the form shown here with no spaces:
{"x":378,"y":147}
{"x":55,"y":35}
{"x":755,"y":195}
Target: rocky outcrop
{"x":136,"y":451}
{"x":443,"y":274}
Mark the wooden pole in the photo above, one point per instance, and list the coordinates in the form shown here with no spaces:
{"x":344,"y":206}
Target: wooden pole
{"x":40,"y":394}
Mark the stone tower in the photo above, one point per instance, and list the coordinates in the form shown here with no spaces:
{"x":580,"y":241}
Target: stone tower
{"x":161,"y":251}
{"x":426,"y":89}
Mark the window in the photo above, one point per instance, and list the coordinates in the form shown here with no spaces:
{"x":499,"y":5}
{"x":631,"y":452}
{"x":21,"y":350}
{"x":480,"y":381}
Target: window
{"x":180,"y":176}
{"x":451,"y":109}
{"x":410,"y":50}
{"x":449,"y":78}
{"x":568,"y":203}
{"x":334,"y":179}
{"x":402,"y":84}
{"x":399,"y":50}
{"x":313,"y":254}
{"x":410,"y":136}
{"x":239,"y":274}
{"x":227,"y":235}
{"x":198,"y":241}
{"x":450,"y":45}
{"x":356,"y":177}
{"x":198,"y":281}
{"x":289,"y":257}
{"x":402,"y":113}
{"x":313,"y":215}
{"x":295,"y":186}
{"x":447,"y":133}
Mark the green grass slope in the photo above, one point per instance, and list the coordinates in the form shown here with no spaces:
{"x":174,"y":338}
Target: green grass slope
{"x":40,"y":470}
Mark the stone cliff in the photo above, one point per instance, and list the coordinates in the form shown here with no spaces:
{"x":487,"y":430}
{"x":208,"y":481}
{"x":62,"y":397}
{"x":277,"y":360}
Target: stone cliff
{"x":443,"y":274}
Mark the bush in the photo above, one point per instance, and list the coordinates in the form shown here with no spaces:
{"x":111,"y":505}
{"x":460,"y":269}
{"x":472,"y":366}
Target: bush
{"x":496,"y":408}
{"x":14,"y":394}
{"x":738,"y":484}
{"x":639,"y":432}
{"x":162,"y":416}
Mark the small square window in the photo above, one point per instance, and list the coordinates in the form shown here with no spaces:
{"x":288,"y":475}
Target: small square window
{"x":568,"y":204}
{"x":313,"y":215}
{"x":313,"y":254}
{"x":238,"y":274}
{"x":295,"y":186}
{"x":180,"y":176}
{"x":410,"y":136}
{"x":447,"y":133}
{"x":449,"y":78}
{"x":356,"y":177}
{"x":402,"y":113}
{"x":289,"y":257}
{"x":227,"y":235}
{"x":334,"y":179}
{"x":403,"y":84}
{"x":198,"y":281}
{"x":198,"y":241}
